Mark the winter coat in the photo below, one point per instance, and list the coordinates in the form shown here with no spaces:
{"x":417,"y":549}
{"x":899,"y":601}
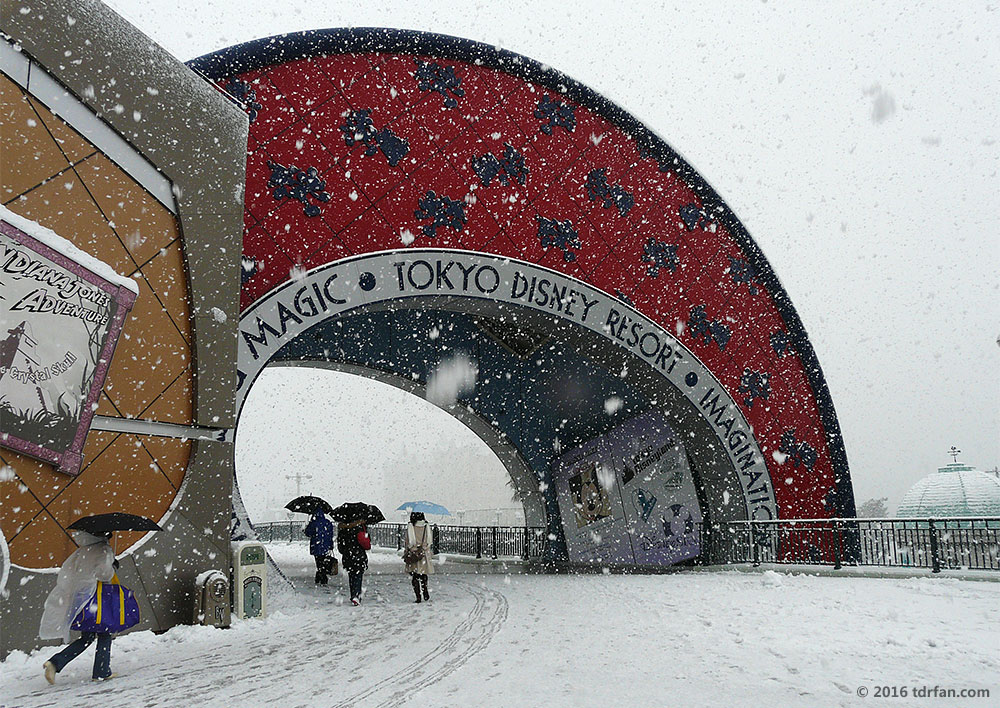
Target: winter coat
{"x":420,"y":534}
{"x":320,"y":533}
{"x":353,"y":557}
{"x":76,"y":584}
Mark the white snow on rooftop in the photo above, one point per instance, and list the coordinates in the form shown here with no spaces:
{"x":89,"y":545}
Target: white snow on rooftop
{"x":954,"y":490}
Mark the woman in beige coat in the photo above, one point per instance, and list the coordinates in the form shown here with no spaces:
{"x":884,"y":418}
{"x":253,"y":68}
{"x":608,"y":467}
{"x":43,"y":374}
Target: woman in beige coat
{"x":418,"y":546}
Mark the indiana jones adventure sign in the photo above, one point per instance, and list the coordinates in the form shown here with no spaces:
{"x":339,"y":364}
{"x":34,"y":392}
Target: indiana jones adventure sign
{"x":62,"y":312}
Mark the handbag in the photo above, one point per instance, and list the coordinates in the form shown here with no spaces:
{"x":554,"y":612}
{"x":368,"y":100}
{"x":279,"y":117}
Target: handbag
{"x":330,"y":565}
{"x":112,"y":609}
{"x":364,"y":540}
{"x":414,"y":554}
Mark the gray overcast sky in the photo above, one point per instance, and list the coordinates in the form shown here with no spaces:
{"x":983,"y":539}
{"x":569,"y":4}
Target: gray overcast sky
{"x":859,"y":142}
{"x":358,"y":440}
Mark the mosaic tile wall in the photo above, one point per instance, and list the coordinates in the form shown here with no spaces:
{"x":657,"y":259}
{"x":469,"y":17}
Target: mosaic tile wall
{"x":51,"y":174}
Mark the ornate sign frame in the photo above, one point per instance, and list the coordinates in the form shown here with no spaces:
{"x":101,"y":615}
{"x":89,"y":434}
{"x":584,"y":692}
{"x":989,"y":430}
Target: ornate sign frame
{"x":65,"y":271}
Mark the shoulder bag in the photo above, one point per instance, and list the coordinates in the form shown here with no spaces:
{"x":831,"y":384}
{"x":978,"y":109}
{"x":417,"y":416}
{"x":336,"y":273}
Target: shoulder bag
{"x":414,"y":554}
{"x":112,"y":609}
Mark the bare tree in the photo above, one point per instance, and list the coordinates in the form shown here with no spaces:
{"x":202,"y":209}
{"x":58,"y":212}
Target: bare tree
{"x":874,"y":509}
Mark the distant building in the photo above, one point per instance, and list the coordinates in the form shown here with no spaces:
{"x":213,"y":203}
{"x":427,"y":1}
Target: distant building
{"x":954,"y":490}
{"x":488,"y":517}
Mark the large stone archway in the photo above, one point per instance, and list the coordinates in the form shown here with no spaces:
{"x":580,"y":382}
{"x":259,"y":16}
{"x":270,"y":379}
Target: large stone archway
{"x":370,"y":144}
{"x":312,"y":319}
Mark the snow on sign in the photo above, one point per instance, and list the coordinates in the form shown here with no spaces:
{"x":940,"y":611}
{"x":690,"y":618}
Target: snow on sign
{"x":62,"y":312}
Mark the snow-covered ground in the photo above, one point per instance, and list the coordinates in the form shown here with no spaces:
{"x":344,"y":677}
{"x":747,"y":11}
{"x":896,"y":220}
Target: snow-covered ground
{"x":686,"y":639}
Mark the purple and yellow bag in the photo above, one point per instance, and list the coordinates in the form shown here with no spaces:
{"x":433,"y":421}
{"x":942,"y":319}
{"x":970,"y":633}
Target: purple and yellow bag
{"x":112,"y":609}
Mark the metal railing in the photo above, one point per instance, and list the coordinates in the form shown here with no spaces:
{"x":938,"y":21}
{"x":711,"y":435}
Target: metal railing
{"x":479,"y":541}
{"x":288,"y":531}
{"x":956,"y":543}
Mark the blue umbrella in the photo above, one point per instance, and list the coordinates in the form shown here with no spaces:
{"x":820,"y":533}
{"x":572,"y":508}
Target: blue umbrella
{"x":424,"y":506}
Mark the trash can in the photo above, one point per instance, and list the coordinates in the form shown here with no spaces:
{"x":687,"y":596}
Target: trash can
{"x":211,"y":602}
{"x":249,"y":579}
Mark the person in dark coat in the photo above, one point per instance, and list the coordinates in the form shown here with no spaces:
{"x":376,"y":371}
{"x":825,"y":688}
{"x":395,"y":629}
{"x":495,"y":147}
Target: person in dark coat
{"x":353,"y":555}
{"x":320,"y":533}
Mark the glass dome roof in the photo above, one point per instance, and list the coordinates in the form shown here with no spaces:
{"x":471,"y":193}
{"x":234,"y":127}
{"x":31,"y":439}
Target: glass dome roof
{"x":954,"y":490}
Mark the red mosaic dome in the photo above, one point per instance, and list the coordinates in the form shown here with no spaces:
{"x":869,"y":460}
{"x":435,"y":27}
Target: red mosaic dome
{"x":370,"y":140}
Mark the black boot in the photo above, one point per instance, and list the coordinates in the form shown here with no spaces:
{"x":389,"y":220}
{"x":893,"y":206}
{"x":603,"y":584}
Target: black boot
{"x":414,"y":580}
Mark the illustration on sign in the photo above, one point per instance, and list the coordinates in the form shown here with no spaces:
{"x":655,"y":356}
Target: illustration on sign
{"x":63,"y":312}
{"x":590,"y":500}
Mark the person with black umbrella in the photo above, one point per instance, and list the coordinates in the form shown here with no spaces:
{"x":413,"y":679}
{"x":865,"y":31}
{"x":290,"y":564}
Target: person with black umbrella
{"x":76,"y":584}
{"x":78,"y":591}
{"x":353,"y":541}
{"x":320,"y":533}
{"x":353,"y":549}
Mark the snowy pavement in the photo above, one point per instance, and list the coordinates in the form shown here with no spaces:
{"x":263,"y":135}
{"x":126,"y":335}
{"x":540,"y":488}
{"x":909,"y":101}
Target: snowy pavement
{"x":685,"y":639}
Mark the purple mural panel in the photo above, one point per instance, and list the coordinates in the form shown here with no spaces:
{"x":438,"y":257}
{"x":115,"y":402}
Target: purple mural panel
{"x":628,"y":497}
{"x":657,"y":490}
{"x":591,"y":506}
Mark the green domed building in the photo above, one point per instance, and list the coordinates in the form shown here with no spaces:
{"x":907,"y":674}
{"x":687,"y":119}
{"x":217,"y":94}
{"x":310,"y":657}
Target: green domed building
{"x":954,"y":490}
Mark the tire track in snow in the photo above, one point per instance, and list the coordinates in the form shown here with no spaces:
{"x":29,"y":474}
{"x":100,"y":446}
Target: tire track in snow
{"x":470,"y":636}
{"x":253,"y":657}
{"x":488,"y":628}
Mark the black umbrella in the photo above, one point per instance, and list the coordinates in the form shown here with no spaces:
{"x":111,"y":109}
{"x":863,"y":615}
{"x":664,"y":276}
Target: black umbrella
{"x":374,"y":514}
{"x":309,"y":505}
{"x":355,"y":511}
{"x":100,"y":524}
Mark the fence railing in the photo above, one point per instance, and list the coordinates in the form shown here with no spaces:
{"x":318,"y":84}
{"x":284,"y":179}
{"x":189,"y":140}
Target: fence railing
{"x":965,"y":543}
{"x":956,"y":543}
{"x":277,"y":531}
{"x":479,"y":541}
